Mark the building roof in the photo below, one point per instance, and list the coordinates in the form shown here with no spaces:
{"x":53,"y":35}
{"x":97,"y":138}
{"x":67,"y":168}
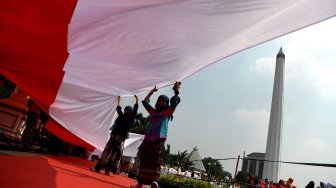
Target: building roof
{"x":256,"y":155}
{"x":195,"y":158}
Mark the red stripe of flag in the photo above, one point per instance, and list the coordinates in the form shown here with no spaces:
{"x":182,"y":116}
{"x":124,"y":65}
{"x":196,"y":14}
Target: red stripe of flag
{"x":33,"y":45}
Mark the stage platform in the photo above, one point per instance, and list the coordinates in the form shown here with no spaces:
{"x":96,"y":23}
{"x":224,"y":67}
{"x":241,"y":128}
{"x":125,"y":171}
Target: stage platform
{"x":34,"y":170}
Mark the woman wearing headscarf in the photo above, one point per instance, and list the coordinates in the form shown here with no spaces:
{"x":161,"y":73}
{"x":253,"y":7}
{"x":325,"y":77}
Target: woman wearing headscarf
{"x":152,"y":147}
{"x":112,"y":154}
{"x":289,"y":183}
{"x":250,"y":182}
{"x":311,"y":184}
{"x":280,"y":184}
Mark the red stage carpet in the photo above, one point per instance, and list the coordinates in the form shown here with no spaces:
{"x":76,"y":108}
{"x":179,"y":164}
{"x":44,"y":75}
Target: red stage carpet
{"x":29,"y":170}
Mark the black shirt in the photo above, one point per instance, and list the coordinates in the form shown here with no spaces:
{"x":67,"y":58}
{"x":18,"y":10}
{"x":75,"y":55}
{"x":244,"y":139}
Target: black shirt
{"x":124,"y":122}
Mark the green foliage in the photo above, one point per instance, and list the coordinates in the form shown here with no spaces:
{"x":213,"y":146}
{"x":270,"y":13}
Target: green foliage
{"x":166,"y":156}
{"x":226,"y":185}
{"x":242,"y":176}
{"x":178,"y":160}
{"x":226,"y":174}
{"x":140,"y":124}
{"x":182,"y":182}
{"x":214,"y":168}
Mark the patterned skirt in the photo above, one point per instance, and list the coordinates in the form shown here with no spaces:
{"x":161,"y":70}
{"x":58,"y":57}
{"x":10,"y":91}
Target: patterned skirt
{"x":150,"y":165}
{"x":110,"y":158}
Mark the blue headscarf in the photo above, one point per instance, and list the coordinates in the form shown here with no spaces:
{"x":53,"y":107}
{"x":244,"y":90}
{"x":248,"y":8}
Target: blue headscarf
{"x":166,"y":99}
{"x":159,"y":108}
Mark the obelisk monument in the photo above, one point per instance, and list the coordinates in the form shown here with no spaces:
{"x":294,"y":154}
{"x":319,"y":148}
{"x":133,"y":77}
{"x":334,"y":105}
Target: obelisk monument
{"x":273,"y":147}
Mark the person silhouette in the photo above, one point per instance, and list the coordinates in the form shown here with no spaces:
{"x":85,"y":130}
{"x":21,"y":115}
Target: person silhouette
{"x":112,"y":154}
{"x":152,"y":147}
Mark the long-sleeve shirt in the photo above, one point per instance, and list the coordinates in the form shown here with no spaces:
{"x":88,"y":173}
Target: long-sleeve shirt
{"x":124,"y":122}
{"x":158,"y":126}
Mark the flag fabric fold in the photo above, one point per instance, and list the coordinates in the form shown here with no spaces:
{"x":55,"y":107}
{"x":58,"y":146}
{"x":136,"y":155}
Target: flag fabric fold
{"x":75,"y":57}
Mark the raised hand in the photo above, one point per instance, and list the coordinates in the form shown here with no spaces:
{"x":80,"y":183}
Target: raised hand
{"x":176,"y":87}
{"x":151,"y":92}
{"x":118,"y":100}
{"x":154,"y":89}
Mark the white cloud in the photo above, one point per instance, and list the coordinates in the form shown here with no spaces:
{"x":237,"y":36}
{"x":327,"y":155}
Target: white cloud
{"x":323,"y":78}
{"x":310,"y":58}
{"x":263,"y":65}
{"x":311,"y":72}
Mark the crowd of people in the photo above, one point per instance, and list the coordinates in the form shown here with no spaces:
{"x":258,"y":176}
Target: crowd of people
{"x":252,"y":182}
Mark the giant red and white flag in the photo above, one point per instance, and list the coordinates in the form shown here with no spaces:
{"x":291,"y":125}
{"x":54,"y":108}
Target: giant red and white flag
{"x":75,"y":57}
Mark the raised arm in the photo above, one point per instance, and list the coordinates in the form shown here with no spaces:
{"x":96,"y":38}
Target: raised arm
{"x":145,"y":102}
{"x":151,"y":93}
{"x":176,"y":88}
{"x":175,"y":100}
{"x":118,"y":106}
{"x":135,"y":107}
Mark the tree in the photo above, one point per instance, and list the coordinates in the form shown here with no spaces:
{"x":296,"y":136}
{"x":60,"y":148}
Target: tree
{"x":178,"y":159}
{"x":242,"y":176}
{"x":214,"y":168}
{"x":188,"y":164}
{"x":166,"y":156}
{"x":140,"y":124}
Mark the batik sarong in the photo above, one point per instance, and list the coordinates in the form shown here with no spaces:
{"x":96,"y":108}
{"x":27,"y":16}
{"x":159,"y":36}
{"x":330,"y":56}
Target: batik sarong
{"x":150,"y":165}
{"x":110,"y":158}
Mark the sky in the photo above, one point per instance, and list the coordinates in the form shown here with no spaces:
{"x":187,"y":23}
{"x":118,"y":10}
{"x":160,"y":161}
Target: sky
{"x":225,"y":107}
